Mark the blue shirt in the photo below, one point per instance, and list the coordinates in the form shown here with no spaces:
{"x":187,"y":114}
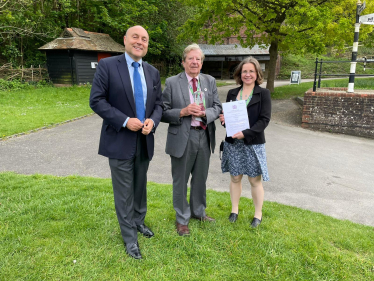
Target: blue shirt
{"x":129,"y":61}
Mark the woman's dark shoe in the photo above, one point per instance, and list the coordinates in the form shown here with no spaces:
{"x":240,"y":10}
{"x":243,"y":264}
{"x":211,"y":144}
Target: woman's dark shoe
{"x":255,"y":222}
{"x":233,"y":217}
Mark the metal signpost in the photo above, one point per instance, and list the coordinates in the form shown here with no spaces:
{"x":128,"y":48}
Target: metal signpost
{"x":366,"y":19}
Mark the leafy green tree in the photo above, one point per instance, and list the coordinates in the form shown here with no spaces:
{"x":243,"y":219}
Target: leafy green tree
{"x":295,"y":26}
{"x":25,"y":25}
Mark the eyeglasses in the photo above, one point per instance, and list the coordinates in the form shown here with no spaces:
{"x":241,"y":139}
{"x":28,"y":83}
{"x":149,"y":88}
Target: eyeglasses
{"x":245,"y":72}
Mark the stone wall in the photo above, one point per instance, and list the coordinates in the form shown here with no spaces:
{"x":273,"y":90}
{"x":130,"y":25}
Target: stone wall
{"x":335,"y":110}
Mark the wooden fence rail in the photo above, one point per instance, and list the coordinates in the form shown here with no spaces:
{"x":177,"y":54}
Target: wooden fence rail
{"x":7,"y":72}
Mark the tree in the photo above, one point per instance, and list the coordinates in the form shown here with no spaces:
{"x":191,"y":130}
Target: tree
{"x":25,"y":25}
{"x":295,"y":26}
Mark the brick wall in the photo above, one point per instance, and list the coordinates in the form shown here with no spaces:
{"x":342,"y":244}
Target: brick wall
{"x":335,"y":110}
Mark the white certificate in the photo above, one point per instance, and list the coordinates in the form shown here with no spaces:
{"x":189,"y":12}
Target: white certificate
{"x":236,"y":117}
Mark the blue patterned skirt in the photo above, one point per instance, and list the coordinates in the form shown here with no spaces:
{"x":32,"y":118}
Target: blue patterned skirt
{"x":241,"y":159}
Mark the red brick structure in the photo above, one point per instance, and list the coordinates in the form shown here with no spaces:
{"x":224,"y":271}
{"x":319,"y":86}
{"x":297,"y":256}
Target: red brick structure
{"x":335,"y":110}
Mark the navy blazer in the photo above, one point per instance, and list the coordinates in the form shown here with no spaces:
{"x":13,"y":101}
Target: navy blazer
{"x":113,"y":100}
{"x":259,"y":113}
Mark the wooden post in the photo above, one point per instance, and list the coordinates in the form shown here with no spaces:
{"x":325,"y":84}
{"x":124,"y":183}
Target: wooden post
{"x":32,"y":73}
{"x":22,"y":73}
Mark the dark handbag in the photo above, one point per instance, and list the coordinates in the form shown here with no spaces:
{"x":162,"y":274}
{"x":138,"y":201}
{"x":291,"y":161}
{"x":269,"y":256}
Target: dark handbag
{"x":221,"y":149}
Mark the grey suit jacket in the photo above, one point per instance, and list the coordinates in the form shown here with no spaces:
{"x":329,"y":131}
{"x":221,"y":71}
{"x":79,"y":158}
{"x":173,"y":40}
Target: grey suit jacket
{"x":175,"y":97}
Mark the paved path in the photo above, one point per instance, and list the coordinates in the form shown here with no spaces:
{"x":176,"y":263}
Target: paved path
{"x":327,"y":173}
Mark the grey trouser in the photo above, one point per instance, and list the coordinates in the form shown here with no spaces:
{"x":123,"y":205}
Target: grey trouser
{"x":129,"y":180}
{"x":195,"y":161}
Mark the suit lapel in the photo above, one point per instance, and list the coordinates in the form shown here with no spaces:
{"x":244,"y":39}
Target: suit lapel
{"x":183,"y":83}
{"x":256,"y":95}
{"x":234,"y":94}
{"x":148,"y":80}
{"x":125,"y":77}
{"x":205,"y":89}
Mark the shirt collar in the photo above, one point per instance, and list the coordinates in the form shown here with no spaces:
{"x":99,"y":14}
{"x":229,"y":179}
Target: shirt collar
{"x":189,"y":78}
{"x":129,"y":60}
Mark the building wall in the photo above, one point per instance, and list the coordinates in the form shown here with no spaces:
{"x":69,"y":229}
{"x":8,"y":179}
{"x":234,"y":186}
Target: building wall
{"x":103,"y":56}
{"x":61,"y":67}
{"x":335,"y":110}
{"x":70,"y":67}
{"x":214,"y":68}
{"x":83,"y":66}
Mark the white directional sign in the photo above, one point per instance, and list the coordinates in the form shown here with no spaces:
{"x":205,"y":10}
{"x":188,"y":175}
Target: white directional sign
{"x":367,"y":19}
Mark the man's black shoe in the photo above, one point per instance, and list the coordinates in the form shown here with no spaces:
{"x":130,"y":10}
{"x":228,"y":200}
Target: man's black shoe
{"x":143,"y":229}
{"x":133,"y":250}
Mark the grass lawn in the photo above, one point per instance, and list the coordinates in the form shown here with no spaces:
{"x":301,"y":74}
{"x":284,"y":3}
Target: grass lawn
{"x":220,"y":83}
{"x":290,"y":91}
{"x":28,"y":109}
{"x":63,"y":228}
{"x":306,"y":64}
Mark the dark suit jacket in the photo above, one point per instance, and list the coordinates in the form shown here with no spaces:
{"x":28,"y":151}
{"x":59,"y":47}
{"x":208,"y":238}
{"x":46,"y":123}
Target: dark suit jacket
{"x":259,"y":113}
{"x":113,"y":100}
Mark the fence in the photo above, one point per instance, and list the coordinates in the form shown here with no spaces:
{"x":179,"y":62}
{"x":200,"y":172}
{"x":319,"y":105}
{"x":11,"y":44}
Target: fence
{"x":320,"y":74}
{"x":7,"y":72}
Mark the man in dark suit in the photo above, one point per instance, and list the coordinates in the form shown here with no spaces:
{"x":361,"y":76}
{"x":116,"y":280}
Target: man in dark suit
{"x":126,"y":93}
{"x":190,"y":140}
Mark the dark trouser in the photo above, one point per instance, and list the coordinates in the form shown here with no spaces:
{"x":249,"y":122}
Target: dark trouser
{"x":195,"y":161}
{"x":129,"y":180}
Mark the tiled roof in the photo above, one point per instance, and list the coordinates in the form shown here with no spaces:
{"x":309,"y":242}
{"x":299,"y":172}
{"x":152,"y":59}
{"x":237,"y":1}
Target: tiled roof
{"x":79,"y":39}
{"x":234,"y":49}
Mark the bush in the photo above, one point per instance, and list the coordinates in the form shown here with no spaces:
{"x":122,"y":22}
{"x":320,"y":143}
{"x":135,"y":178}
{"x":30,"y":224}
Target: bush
{"x":6,"y":85}
{"x":12,"y":85}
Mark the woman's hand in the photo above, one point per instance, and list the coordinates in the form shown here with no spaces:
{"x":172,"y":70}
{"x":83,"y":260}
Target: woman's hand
{"x":222,"y":118}
{"x":238,"y":136}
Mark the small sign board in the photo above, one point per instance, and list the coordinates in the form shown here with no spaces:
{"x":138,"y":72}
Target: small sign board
{"x":295,"y":77}
{"x":361,"y":8}
{"x":94,"y":64}
{"x":367,"y":19}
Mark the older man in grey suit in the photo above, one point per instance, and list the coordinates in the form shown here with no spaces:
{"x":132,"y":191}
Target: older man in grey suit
{"x":191,"y":135}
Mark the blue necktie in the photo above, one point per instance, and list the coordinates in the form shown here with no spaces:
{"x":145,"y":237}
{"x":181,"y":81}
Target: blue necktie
{"x":138,"y":93}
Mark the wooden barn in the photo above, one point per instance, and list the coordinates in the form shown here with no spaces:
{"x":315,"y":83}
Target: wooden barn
{"x":72,"y":58}
{"x":221,"y":60}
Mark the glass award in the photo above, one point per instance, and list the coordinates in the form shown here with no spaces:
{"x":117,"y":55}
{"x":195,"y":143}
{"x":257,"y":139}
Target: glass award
{"x":199,"y":99}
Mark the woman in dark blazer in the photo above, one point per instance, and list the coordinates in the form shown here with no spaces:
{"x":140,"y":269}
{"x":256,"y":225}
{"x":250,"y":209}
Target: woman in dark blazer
{"x":244,"y":153}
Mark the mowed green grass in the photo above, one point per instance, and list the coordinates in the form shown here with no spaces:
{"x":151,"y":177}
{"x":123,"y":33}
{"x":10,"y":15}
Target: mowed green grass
{"x":28,"y":109}
{"x":306,"y":64}
{"x":32,"y":108}
{"x":65,"y":228}
{"x":290,"y":91}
